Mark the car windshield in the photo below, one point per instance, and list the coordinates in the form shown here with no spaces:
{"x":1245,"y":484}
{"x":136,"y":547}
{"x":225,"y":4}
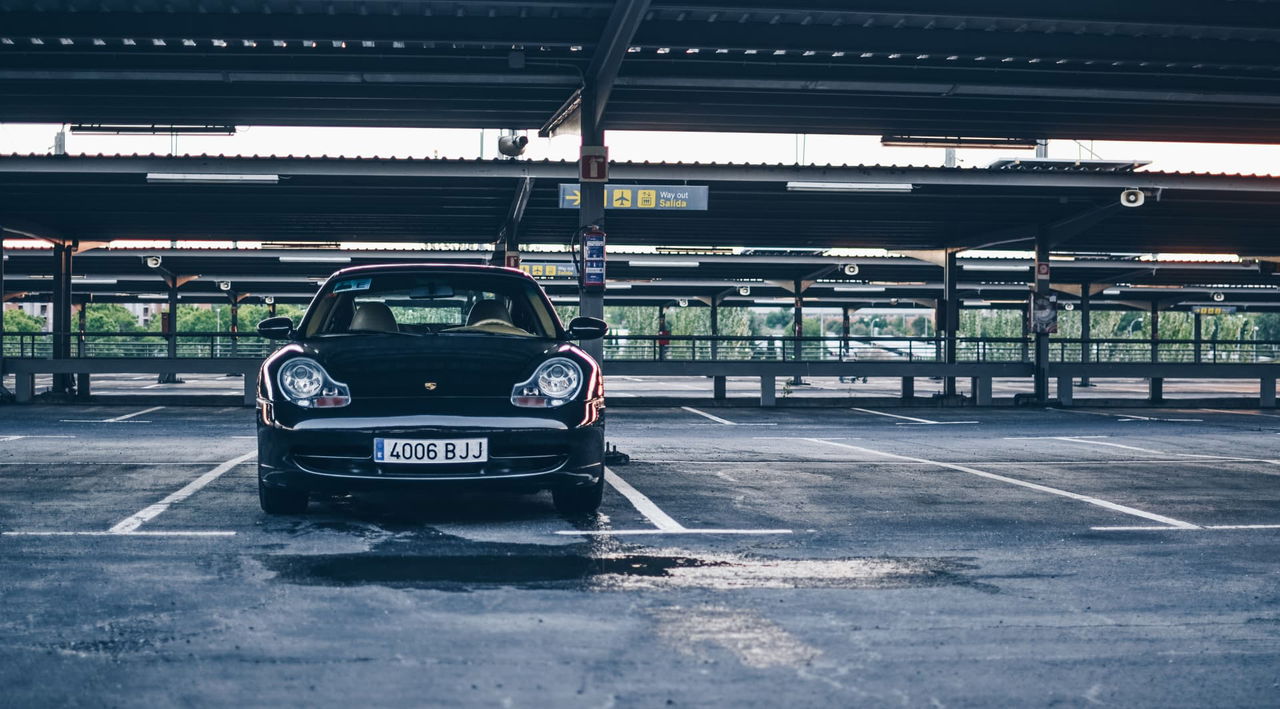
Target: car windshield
{"x":424,"y":303}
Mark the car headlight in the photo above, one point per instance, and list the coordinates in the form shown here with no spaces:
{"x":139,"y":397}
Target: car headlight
{"x":305,"y":383}
{"x":554,"y":382}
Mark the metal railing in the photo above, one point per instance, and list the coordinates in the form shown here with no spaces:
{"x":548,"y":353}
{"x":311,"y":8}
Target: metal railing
{"x":143,"y":345}
{"x":685,"y":348}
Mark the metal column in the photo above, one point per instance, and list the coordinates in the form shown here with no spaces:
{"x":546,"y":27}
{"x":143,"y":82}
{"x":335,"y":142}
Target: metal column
{"x":4,"y":393}
{"x":844,"y":333}
{"x":663,"y":336}
{"x":1086,"y":329}
{"x":171,"y":330}
{"x":950,"y":316}
{"x":797,"y":328}
{"x":1157,"y":384}
{"x":591,"y":212}
{"x":62,"y":253}
{"x":1042,"y":338}
{"x":718,"y":384}
{"x":1197,"y":336}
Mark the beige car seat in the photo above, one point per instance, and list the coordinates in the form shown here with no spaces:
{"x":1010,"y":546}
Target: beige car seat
{"x":375,"y":317}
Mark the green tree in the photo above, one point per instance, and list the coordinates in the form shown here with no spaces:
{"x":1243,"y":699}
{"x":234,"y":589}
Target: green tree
{"x":19,"y":321}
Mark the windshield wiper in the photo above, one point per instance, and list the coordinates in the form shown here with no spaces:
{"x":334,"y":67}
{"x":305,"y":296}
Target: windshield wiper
{"x":361,"y":331}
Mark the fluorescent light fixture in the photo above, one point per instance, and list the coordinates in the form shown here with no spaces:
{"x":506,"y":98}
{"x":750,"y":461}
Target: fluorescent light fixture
{"x":315,"y":259}
{"x":663,"y":264}
{"x":1111,"y":291}
{"x":210,"y":178}
{"x":150,"y":296}
{"x":974,"y":301}
{"x":938,"y":141}
{"x":114,"y":129}
{"x":993,"y":267}
{"x":617,"y":286}
{"x":859,"y":289}
{"x":849,"y":187}
{"x":93,"y":281}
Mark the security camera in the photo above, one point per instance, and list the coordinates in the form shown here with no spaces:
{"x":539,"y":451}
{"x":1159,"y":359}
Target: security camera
{"x":1069,"y":306}
{"x":744,"y":290}
{"x":513,"y":145}
{"x":850,"y":269}
{"x":1218,"y":296}
{"x":153,"y":262}
{"x":683,"y":302}
{"x":269,"y":299}
{"x":1132,"y":198}
{"x":224,"y":285}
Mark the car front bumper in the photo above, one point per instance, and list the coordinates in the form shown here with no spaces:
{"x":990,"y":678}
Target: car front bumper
{"x":335,"y":454}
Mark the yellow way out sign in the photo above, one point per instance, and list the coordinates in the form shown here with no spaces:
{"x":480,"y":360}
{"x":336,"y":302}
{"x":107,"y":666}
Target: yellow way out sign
{"x":655,"y":197}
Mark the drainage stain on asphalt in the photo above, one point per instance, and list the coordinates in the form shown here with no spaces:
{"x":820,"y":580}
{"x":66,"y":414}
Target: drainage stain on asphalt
{"x":609,"y":572}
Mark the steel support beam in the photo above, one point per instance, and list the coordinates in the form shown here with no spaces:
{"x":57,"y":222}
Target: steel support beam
{"x":1086,"y":328}
{"x":1041,"y":289}
{"x":62,"y":256}
{"x":506,"y":251}
{"x":797,"y":328}
{"x":949,"y":316}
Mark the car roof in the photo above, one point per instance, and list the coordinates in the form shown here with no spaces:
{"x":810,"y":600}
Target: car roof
{"x":432,"y":267}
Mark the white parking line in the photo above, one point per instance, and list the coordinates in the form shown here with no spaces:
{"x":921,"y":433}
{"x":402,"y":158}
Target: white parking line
{"x":119,"y":419}
{"x":1242,"y":413}
{"x":1208,"y":527}
{"x":166,"y":533}
{"x":1092,"y":440}
{"x":1123,"y":509}
{"x":912,"y":419}
{"x":717,"y":419}
{"x":664,"y":522}
{"x":643,"y":504}
{"x":6,"y":439}
{"x":132,"y":522}
{"x":1125,"y":417}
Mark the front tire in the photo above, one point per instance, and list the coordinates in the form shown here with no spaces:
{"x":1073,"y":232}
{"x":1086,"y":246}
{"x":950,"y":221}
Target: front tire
{"x":579,"y":501}
{"x":282,"y":501}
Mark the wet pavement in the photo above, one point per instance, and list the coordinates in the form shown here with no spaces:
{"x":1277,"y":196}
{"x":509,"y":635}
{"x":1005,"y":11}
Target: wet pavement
{"x":905,"y":557}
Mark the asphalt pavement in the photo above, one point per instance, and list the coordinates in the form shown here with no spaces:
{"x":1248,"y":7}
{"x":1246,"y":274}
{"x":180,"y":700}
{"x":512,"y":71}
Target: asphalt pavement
{"x":744,"y":557}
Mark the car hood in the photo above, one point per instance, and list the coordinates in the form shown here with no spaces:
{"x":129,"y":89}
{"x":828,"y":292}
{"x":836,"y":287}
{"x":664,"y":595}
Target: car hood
{"x":431,"y":366}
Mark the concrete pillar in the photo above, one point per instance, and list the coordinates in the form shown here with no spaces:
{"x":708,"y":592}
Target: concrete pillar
{"x":591,"y":211}
{"x":82,"y":385}
{"x":1267,"y":393}
{"x":908,"y":388}
{"x":981,"y":390}
{"x":718,"y":387}
{"x":250,"y":389}
{"x":768,"y":390}
{"x":1065,"y":391}
{"x":1156,"y":389}
{"x":24,"y":387}
{"x":81,"y":320}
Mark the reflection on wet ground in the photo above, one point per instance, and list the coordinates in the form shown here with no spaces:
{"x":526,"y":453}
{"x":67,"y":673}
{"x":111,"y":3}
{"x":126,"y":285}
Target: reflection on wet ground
{"x":614,"y":571}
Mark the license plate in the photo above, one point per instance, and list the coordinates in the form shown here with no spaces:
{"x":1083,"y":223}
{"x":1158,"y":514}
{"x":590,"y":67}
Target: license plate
{"x":420,"y":452}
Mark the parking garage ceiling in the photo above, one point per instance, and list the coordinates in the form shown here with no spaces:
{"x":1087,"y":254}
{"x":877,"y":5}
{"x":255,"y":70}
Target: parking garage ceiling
{"x":1141,"y":70}
{"x":94,"y":199}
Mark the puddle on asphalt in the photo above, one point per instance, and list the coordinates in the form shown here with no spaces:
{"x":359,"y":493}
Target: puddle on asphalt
{"x":615,"y":572}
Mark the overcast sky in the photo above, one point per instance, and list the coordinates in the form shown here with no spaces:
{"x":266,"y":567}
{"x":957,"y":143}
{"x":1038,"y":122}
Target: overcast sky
{"x":630,"y":145}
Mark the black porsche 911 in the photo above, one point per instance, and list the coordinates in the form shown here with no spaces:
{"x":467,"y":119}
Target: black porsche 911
{"x":428,"y":376}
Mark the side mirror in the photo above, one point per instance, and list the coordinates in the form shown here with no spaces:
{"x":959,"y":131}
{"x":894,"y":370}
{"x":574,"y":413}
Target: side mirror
{"x":278,"y":328}
{"x":588,"y":328}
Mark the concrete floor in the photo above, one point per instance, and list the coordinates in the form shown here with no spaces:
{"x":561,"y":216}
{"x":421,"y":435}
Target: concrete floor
{"x":744,"y":558}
